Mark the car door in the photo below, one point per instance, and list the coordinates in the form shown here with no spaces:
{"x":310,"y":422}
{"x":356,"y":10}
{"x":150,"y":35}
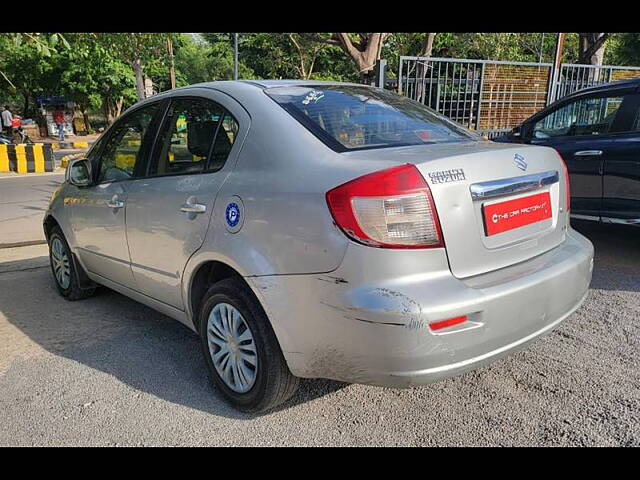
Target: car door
{"x":621,"y":181}
{"x":584,"y":132}
{"x":98,"y":211}
{"x":168,"y":212}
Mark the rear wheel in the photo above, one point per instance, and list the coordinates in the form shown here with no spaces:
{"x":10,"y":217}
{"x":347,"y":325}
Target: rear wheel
{"x":241,"y":351}
{"x":64,"y":269}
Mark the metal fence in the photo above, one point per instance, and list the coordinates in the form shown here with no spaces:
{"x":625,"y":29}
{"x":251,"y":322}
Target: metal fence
{"x":494,"y":96}
{"x":576,"y":77}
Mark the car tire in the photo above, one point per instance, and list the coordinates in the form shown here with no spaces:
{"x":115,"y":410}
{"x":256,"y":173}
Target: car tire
{"x":270,"y":382}
{"x":63,"y":268}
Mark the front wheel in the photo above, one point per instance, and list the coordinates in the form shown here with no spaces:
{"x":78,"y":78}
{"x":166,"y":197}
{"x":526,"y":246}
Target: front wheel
{"x":241,"y":351}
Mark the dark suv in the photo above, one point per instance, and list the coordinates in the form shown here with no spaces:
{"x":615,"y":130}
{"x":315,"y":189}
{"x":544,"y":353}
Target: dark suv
{"x":597,"y":132}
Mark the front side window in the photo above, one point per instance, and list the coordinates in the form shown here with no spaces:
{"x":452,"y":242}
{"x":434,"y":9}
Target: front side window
{"x":353,"y":117}
{"x":122,"y":149}
{"x":188,"y":135}
{"x":587,"y":116}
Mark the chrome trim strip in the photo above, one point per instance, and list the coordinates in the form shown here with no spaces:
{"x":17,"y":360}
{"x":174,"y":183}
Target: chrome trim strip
{"x":621,"y":221}
{"x":588,"y":153}
{"x":509,"y":186}
{"x":590,"y":218}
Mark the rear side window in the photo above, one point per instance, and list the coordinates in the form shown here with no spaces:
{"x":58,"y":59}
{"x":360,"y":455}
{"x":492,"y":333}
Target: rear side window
{"x":587,"y":116}
{"x":190,"y":129}
{"x":224,"y":141}
{"x":358,"y":117}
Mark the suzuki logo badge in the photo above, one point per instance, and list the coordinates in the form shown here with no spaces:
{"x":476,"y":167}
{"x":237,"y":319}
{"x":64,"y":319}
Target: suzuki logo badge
{"x":520,"y":162}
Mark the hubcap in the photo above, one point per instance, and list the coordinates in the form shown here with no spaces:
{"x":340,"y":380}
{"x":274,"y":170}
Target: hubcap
{"x":232,"y":348}
{"x":60,"y":261}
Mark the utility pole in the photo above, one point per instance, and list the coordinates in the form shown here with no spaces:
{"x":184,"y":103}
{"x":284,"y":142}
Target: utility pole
{"x":555,"y":70}
{"x":172,"y":70}
{"x":235,"y":56}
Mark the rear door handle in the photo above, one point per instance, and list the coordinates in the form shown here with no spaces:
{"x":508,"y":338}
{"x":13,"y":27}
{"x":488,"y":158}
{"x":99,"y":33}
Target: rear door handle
{"x":588,"y":153}
{"x":115,"y":203}
{"x":190,"y":206}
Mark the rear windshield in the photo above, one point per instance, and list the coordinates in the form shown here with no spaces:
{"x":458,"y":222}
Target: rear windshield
{"x":354,"y":117}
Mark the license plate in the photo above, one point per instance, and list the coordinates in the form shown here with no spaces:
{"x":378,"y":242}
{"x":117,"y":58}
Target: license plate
{"x":503,"y":216}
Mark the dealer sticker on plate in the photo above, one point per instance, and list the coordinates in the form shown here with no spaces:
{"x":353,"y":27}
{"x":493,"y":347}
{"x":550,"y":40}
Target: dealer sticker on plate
{"x":503,"y":216}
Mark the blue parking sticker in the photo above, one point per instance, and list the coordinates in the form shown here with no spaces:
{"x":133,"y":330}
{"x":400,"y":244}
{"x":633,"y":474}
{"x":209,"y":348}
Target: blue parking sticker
{"x":233,"y":214}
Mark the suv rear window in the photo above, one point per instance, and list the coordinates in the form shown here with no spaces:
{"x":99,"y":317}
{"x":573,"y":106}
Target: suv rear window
{"x":358,"y":117}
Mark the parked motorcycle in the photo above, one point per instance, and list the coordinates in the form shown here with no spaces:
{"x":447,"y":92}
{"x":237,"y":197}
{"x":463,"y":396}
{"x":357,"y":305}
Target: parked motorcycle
{"x":17,"y":136}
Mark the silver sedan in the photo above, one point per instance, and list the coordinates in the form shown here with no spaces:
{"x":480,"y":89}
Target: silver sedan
{"x":316,"y":229}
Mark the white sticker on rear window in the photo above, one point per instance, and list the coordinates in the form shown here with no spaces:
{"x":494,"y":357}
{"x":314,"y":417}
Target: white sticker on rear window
{"x":313,"y":96}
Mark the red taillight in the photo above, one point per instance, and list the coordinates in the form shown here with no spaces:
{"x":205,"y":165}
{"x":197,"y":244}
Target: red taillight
{"x":566,"y":182}
{"x":392,"y":208}
{"x":447,"y":323}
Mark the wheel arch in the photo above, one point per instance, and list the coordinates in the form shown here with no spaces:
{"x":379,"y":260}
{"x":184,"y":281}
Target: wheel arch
{"x":207,"y":271}
{"x":48,"y":224}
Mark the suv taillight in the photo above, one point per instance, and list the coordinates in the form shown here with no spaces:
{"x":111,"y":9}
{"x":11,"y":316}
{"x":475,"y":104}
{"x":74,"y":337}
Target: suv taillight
{"x":391,"y":208}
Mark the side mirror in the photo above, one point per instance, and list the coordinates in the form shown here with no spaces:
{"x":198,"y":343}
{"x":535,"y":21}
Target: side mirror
{"x":516,"y":132}
{"x":79,"y":172}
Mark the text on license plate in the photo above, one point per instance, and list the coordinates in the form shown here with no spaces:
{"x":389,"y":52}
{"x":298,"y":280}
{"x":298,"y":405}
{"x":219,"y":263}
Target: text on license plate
{"x":503,"y":216}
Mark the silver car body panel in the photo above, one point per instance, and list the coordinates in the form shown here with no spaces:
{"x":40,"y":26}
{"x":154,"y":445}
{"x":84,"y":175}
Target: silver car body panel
{"x":100,"y":231}
{"x":340,"y":309}
{"x":369,"y":321}
{"x":160,"y":235}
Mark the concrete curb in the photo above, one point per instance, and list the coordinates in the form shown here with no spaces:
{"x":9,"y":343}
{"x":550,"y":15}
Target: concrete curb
{"x":22,"y":244}
{"x":63,"y":145}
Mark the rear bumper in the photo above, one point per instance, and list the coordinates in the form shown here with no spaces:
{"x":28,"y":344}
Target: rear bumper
{"x":366,"y":325}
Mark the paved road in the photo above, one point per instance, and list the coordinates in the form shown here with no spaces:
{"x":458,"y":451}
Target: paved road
{"x":23,"y":201}
{"x":109,"y":371}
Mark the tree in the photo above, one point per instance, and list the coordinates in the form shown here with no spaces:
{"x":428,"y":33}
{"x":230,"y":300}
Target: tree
{"x":43,"y":44}
{"x":209,"y":60}
{"x":592,"y":46}
{"x":306,"y":52}
{"x":94,"y":77}
{"x":363,"y":49}
{"x":136,"y":49}
{"x":624,"y":49}
{"x":427,"y":45}
{"x":27,"y":73}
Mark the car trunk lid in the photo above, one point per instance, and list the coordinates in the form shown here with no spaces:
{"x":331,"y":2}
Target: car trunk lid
{"x":498,"y":205}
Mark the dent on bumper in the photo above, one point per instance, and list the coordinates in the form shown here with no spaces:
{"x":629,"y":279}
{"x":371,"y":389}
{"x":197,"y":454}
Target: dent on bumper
{"x":355,"y":326}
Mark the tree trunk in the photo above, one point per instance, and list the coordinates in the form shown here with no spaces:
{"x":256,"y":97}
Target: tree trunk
{"x":85,"y":117}
{"x":592,"y":46}
{"x":421,"y":70}
{"x":25,"y":109}
{"x":137,"y":68}
{"x":365,"y":57}
{"x":109,"y":110}
{"x":119,"y":104}
{"x":427,"y":45}
{"x":105,"y":111}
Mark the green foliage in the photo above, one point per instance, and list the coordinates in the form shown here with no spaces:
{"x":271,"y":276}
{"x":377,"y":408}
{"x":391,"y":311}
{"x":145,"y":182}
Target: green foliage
{"x":285,"y":55}
{"x":623,"y":49}
{"x":97,"y":71}
{"x":91,"y":74}
{"x":207,"y":61}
